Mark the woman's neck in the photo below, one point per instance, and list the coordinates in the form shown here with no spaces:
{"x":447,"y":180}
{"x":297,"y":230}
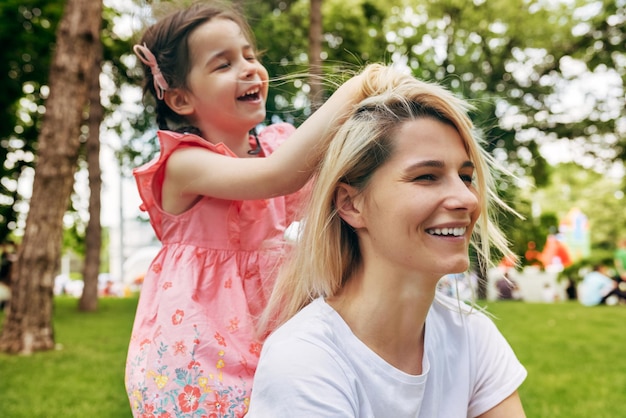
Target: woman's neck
{"x":388,"y":316}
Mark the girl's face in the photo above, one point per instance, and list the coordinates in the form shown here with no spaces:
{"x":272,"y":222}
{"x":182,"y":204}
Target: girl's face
{"x":228,"y":85}
{"x":420,"y":206}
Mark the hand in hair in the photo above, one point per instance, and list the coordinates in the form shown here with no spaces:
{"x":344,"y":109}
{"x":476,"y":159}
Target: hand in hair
{"x":379,"y":78}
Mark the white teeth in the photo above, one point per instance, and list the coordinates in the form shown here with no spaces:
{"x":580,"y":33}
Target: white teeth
{"x":251,"y":91}
{"x":457,"y":232}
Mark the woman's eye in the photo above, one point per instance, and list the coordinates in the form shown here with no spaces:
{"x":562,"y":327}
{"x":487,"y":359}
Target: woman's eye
{"x":467,"y":178}
{"x":426,"y":177}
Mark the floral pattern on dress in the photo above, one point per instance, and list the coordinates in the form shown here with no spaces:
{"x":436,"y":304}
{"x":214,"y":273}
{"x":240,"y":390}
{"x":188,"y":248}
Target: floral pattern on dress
{"x":189,"y":391}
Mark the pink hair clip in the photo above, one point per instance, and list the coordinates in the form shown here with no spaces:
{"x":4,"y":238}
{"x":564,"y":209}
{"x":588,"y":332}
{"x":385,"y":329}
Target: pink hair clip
{"x":144,"y":54}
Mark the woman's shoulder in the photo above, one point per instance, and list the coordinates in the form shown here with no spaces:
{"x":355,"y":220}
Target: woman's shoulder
{"x":460,"y":313}
{"x":315,"y":327}
{"x":300,"y":364}
{"x":313,"y":322}
{"x":311,"y":342}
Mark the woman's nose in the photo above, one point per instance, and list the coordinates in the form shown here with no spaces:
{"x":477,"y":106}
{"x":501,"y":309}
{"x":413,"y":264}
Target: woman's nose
{"x":462,"y":196}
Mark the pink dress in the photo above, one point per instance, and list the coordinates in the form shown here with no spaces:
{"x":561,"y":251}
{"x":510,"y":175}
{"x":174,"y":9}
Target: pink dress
{"x":193,"y":349}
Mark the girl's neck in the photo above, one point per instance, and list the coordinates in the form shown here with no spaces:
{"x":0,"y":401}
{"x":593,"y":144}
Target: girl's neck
{"x":238,"y":143}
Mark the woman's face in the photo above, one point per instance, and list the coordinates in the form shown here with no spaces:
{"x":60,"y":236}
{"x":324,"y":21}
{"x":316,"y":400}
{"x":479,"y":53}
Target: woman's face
{"x":420,"y":206}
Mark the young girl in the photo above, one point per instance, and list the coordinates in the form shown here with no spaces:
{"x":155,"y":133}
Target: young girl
{"x":393,"y":209}
{"x":219,"y":200}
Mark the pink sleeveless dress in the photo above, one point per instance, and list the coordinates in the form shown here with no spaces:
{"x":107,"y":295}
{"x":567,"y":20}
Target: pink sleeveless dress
{"x":193,"y":349}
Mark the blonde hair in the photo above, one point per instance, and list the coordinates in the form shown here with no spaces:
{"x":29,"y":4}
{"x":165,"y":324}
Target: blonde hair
{"x":327,"y":251}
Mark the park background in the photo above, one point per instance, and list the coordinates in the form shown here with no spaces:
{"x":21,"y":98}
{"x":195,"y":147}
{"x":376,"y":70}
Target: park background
{"x":546,"y":78}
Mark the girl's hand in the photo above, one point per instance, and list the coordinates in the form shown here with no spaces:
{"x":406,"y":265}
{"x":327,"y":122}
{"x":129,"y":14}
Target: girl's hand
{"x":376,"y":79}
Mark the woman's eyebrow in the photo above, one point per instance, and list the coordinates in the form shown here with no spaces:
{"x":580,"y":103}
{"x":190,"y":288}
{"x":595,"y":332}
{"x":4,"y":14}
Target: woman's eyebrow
{"x":426,"y":163}
{"x":435,"y":164}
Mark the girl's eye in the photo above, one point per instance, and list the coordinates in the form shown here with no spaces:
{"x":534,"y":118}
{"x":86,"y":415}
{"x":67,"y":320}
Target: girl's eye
{"x":251,"y":58}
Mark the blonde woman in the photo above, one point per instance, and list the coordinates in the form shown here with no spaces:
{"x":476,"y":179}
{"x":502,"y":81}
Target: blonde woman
{"x":402,"y":193}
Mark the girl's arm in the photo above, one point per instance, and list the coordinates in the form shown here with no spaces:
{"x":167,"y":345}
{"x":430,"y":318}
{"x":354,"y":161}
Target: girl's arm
{"x":200,"y":172}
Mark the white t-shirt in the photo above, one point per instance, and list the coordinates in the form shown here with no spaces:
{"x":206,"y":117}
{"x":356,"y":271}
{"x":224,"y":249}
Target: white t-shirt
{"x":314,"y":366}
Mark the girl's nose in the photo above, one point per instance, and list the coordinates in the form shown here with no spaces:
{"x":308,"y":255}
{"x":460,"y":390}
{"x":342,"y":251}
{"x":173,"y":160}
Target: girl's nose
{"x":249,"y":69}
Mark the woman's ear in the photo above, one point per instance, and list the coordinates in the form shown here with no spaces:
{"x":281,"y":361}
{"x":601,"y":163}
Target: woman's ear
{"x":178,"y":101}
{"x":347,"y":202}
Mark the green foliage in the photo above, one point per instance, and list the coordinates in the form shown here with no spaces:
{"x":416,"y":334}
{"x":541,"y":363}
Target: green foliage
{"x":521,"y":231}
{"x":27,"y":34}
{"x":598,"y":196}
{"x":74,"y":239}
{"x":281,"y":35}
{"x":508,"y":57}
{"x":25,"y":62}
{"x":135,"y":127}
{"x":595,"y":194}
{"x":477,"y":52}
{"x":352,"y":37}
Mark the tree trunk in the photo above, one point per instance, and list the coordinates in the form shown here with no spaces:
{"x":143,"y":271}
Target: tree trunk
{"x":28,"y":324}
{"x":315,"y":55}
{"x":93,"y":235}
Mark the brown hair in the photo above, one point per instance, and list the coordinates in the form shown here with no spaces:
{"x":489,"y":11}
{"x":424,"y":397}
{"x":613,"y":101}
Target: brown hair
{"x":167,"y":39}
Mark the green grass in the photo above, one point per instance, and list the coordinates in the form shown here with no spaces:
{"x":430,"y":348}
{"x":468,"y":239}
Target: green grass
{"x":84,"y":377}
{"x":575,"y":356}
